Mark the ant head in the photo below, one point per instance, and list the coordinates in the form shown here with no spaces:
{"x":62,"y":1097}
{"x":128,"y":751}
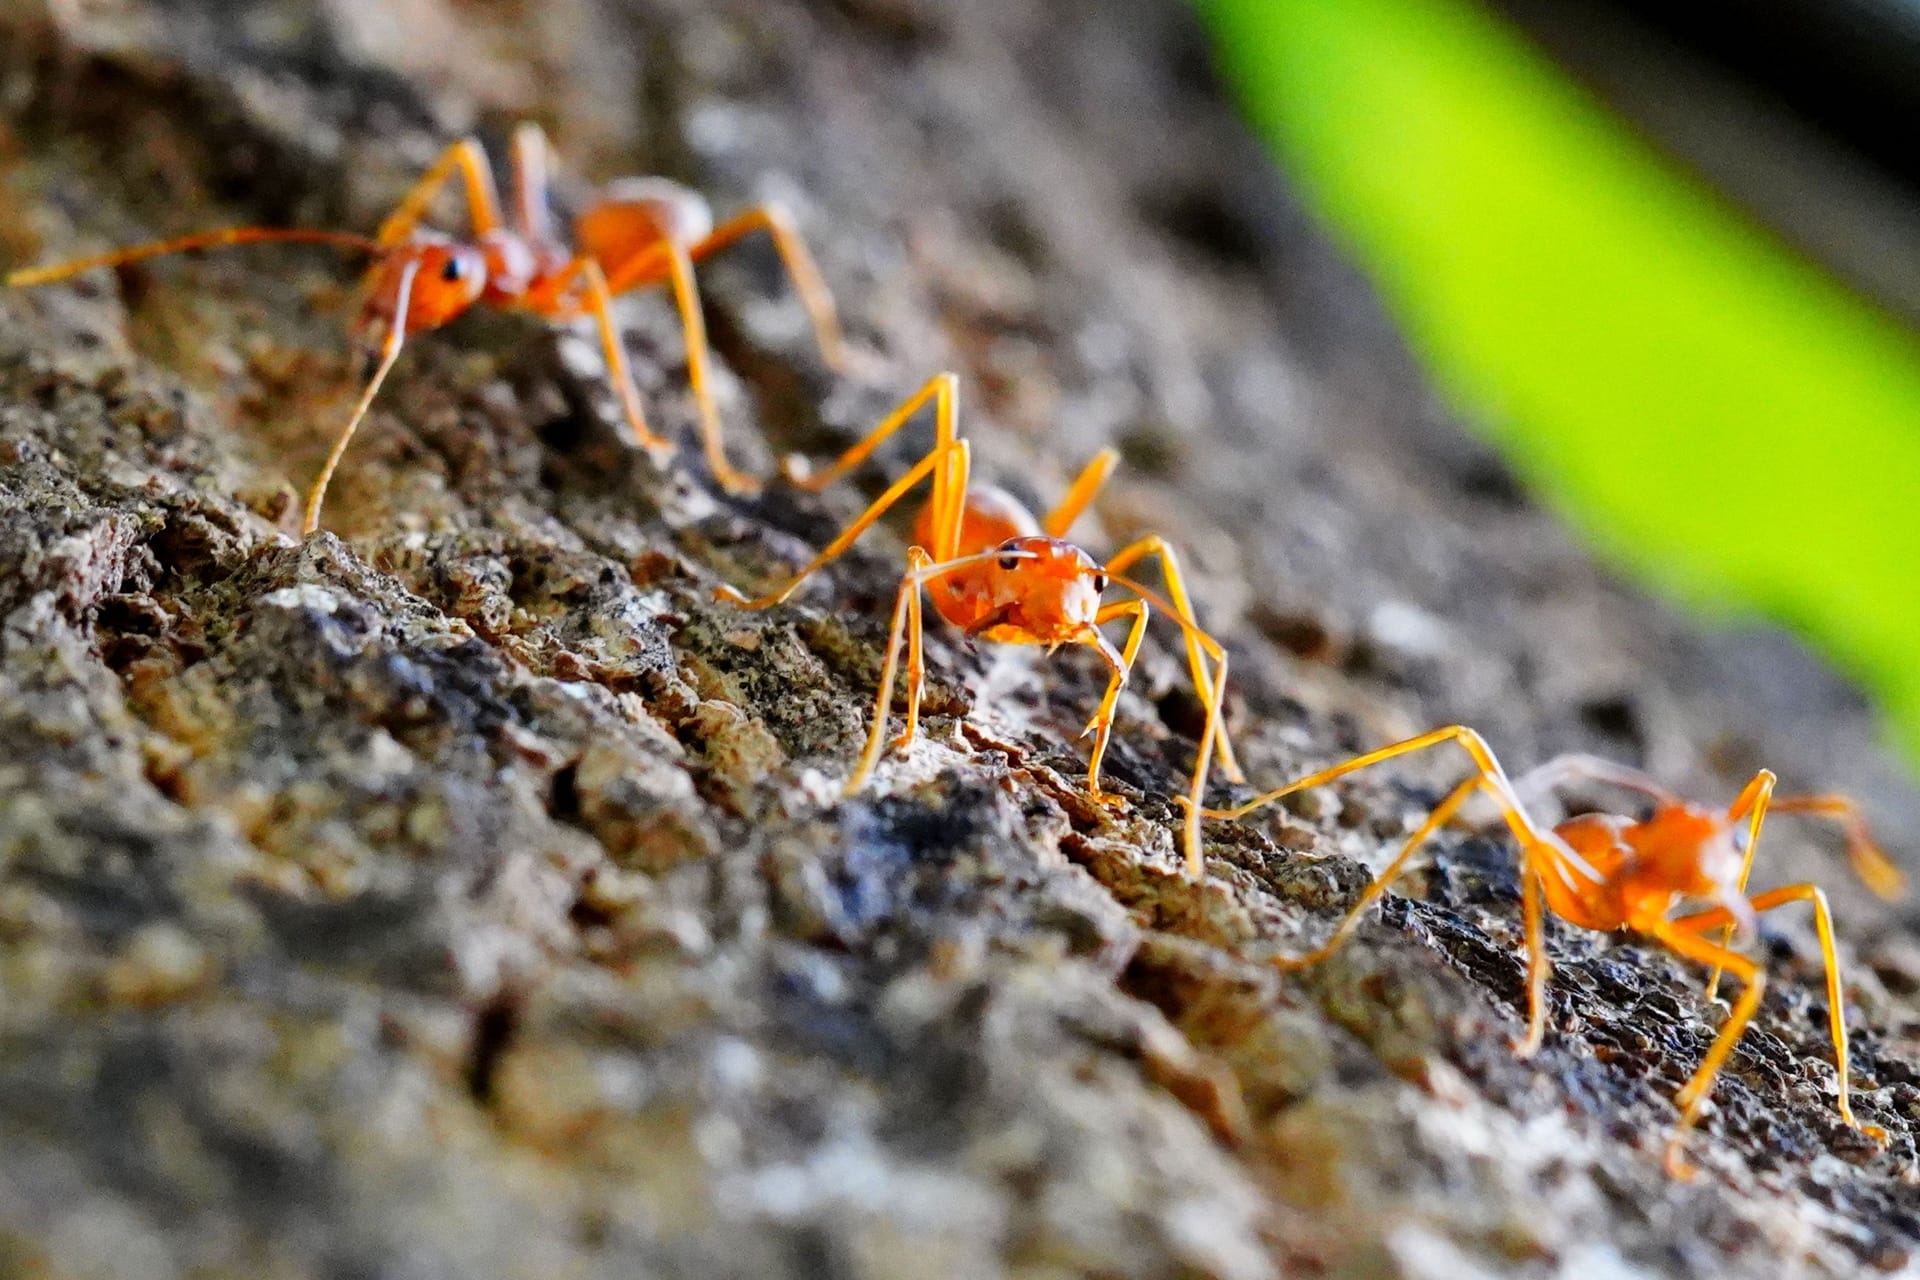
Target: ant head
{"x":446,"y":278}
{"x":1051,"y":587}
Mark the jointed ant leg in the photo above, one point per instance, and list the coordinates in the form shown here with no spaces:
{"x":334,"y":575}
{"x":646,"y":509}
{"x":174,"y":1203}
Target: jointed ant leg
{"x":1121,"y":665}
{"x":1085,"y":487}
{"x":390,"y":352}
{"x":532,"y":178}
{"x":1693,"y":1094}
{"x":693,"y":328}
{"x":1830,"y":956}
{"x":1872,"y":865}
{"x":599,"y":304}
{"x":1154,"y":545}
{"x":1550,"y":777}
{"x":1541,"y":852}
{"x":1441,"y":815}
{"x":917,"y":562}
{"x":943,"y":390}
{"x":1213,"y":732}
{"x":1533,"y":917}
{"x":833,"y":550}
{"x":673,"y":259}
{"x":1498,"y":784}
{"x":807,"y":282}
{"x":1210,"y":733}
{"x":905,"y":624}
{"x":483,"y":200}
{"x":1751,"y":804}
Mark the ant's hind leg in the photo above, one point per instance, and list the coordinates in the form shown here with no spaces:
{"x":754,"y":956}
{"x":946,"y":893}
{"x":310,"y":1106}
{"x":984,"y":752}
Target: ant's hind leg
{"x":906,"y":624}
{"x":1870,"y":862}
{"x":815,"y":297}
{"x":1469,"y":740}
{"x":904,"y":614}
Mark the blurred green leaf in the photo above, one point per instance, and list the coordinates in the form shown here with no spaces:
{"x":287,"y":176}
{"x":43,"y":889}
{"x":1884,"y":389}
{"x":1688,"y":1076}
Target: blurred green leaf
{"x":1711,"y":409}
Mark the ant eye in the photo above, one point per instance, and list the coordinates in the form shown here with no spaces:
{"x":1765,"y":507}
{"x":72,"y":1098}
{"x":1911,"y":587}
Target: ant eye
{"x":1010,"y":562}
{"x":453,"y":271}
{"x":1099,"y":584}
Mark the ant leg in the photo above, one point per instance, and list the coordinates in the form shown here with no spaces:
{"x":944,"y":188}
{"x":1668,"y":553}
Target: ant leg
{"x":815,"y":297}
{"x":1693,"y":1094}
{"x":1212,"y":736}
{"x":1751,"y":804}
{"x":906,"y":622}
{"x":622,"y":275}
{"x":693,"y":328}
{"x":1441,"y":815}
{"x":1830,"y":956}
{"x":390,"y":352}
{"x":483,"y":199}
{"x":833,"y":550}
{"x":1121,"y":664}
{"x":599,"y":304}
{"x":532,"y":177}
{"x":1870,"y":862}
{"x":1154,"y":545}
{"x":1533,"y":920}
{"x":943,"y":389}
{"x":1541,"y":852}
{"x":1086,"y":486}
{"x":1469,"y":740}
{"x":903,"y":616}
{"x":917,"y":561}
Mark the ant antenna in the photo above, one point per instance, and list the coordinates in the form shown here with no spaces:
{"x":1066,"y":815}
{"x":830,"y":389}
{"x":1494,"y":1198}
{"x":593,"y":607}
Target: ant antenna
{"x":32,"y":276}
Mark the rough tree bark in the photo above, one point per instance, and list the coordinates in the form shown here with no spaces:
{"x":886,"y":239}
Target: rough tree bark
{"x":460,"y":892}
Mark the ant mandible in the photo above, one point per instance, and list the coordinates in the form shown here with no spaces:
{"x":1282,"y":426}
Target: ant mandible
{"x":642,"y":231}
{"x":999,"y":574}
{"x":1605,"y":872}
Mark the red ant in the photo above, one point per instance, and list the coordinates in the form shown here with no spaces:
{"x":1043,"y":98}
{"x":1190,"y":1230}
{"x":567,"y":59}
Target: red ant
{"x":1608,"y":873}
{"x":999,"y":574}
{"x":642,"y":231}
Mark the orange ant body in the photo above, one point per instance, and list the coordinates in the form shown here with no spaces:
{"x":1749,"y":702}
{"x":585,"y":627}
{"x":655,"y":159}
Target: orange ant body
{"x":1608,"y":873}
{"x":996,"y":572}
{"x":643,"y":231}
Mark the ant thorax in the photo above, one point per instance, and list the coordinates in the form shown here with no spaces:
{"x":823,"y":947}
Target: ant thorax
{"x":1688,"y":849}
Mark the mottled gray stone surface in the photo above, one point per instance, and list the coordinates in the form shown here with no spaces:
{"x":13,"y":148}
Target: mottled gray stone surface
{"x":462,"y":893}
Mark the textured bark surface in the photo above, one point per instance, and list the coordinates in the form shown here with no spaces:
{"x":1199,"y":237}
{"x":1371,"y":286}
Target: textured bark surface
{"x":461,"y":892}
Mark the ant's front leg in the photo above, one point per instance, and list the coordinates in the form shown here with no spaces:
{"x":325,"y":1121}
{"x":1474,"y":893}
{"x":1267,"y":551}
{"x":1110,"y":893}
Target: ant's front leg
{"x":1121,"y":665}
